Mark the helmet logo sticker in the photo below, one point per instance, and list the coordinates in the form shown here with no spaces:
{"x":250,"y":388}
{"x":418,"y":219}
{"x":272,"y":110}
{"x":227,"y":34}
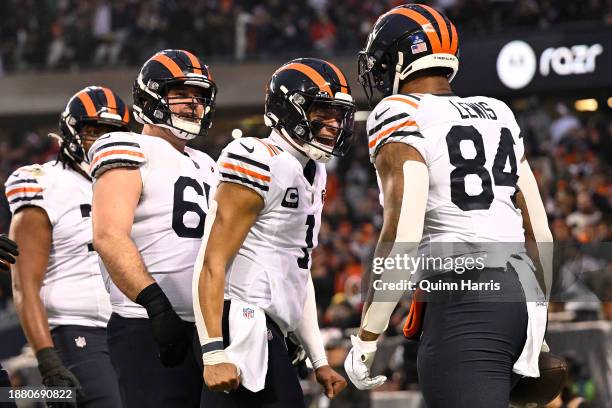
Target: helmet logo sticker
{"x":418,"y":48}
{"x":417,"y":38}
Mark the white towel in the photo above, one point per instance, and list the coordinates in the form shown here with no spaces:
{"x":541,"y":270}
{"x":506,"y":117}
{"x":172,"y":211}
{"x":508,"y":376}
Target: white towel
{"x":537,"y":311}
{"x":248,"y":346}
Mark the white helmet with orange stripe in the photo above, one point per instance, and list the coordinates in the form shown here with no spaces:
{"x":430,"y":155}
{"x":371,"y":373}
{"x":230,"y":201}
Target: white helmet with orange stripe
{"x":407,"y":39}
{"x":309,"y":101}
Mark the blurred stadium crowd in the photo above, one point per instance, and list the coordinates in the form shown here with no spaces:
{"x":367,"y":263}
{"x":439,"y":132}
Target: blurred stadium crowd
{"x":83,"y":34}
{"x":570,"y":156}
{"x":569,"y":151}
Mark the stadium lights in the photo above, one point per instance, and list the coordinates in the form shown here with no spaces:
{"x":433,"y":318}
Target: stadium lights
{"x":586,"y":105}
{"x":361,"y":116}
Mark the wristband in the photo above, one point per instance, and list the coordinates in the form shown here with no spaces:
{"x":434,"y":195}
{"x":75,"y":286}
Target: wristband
{"x":213,"y":352}
{"x":319,"y":363}
{"x":154,"y":300}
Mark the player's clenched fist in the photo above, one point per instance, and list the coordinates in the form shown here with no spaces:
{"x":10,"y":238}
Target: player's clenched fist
{"x":330,"y":380}
{"x":222,"y":377}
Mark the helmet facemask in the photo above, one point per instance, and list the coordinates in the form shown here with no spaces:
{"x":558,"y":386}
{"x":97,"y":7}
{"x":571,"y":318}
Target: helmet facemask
{"x":73,"y":134}
{"x":321,"y":127}
{"x":372,"y":75}
{"x":186,"y":123}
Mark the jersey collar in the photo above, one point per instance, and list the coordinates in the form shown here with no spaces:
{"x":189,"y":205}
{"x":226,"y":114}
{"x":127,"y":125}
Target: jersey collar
{"x":278,"y":139}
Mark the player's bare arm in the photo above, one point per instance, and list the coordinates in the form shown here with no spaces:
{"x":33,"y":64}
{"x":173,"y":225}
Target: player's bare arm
{"x":31,"y":229}
{"x":237,"y":209}
{"x":115,"y":196}
{"x":404,"y":181}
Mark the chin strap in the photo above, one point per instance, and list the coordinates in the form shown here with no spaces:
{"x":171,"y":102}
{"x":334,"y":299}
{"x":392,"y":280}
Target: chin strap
{"x":398,"y":72}
{"x":316,"y":154}
{"x":309,"y":150}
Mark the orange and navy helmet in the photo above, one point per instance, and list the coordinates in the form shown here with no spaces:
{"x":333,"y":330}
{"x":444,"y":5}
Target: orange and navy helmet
{"x":299,"y":89}
{"x":92,"y":105}
{"x":161,"y":72}
{"x":407,"y":39}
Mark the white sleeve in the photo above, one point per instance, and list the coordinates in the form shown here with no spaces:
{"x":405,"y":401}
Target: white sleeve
{"x":247,"y":162}
{"x":117,"y":149}
{"x":393,"y":120}
{"x":538,"y":218}
{"x":308,"y":331}
{"x":407,"y":238}
{"x":28,"y":187}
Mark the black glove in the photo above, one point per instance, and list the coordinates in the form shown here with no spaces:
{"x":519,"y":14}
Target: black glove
{"x":54,"y":374}
{"x":168,"y":328}
{"x":8,"y":252}
{"x":297,"y":355}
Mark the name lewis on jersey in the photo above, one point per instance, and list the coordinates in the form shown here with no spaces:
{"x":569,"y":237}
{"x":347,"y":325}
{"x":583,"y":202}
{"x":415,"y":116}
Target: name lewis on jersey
{"x":474,"y":110}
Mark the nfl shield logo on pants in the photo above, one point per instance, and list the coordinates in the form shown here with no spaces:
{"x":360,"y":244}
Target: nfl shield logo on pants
{"x":80,"y":342}
{"x":248,"y":313}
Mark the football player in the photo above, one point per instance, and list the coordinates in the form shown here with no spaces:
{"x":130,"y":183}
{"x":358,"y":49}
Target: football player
{"x":449,"y":169}
{"x":252,"y":282}
{"x":150,"y":200}
{"x":57,"y":287}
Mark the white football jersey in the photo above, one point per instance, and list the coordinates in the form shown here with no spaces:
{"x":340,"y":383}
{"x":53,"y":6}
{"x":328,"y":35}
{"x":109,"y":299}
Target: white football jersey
{"x":472,"y":148}
{"x":73,"y":291}
{"x":271,"y":268}
{"x":169,"y":219}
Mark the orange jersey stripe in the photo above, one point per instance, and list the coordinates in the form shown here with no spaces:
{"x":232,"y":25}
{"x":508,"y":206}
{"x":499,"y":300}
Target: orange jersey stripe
{"x":267,"y":147}
{"x":341,"y":77}
{"x":446,"y":46}
{"x":170,"y":65}
{"x":197,"y":69}
{"x":110,"y":100}
{"x":274,"y":148}
{"x":422,"y":21}
{"x":87,"y":103}
{"x":245,"y":171}
{"x":18,"y":190}
{"x":111,"y":152}
{"x":390,"y":130}
{"x":408,"y":101}
{"x":310,"y":73}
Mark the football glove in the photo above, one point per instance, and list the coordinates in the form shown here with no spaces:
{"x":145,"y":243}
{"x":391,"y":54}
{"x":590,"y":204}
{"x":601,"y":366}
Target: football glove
{"x":8,"y":252}
{"x":168,"y":329}
{"x":297,"y":354}
{"x":358,"y":363}
{"x":55,"y":374}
